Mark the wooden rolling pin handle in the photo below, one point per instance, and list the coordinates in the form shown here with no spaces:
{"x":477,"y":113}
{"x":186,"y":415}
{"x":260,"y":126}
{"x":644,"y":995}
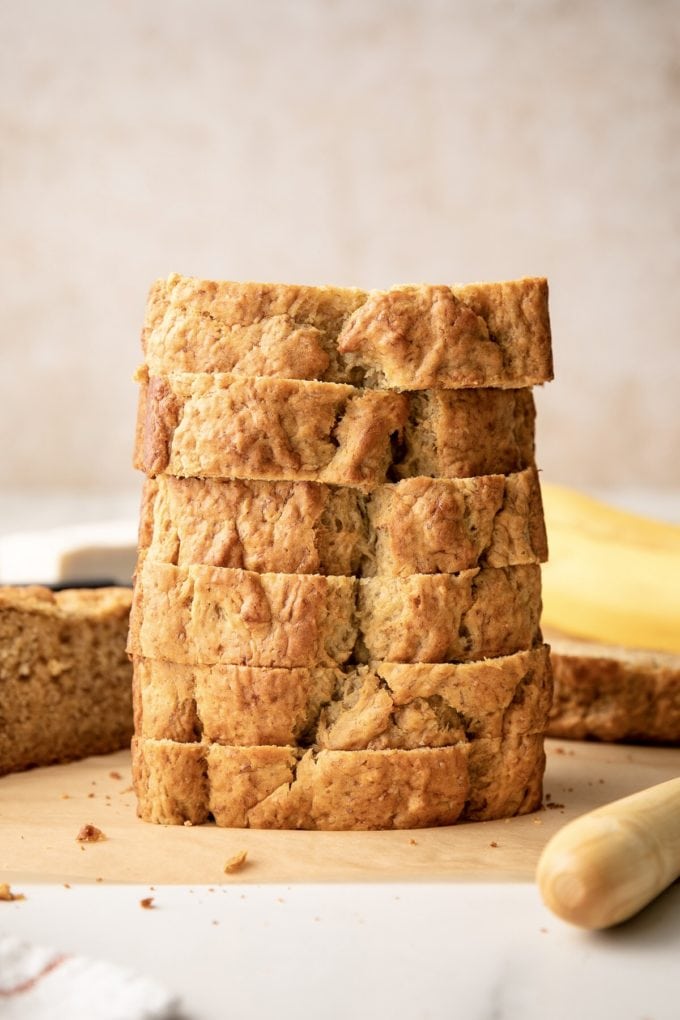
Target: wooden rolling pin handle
{"x":606,"y":865}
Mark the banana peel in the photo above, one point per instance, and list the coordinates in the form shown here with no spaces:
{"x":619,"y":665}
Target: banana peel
{"x":612,"y":576}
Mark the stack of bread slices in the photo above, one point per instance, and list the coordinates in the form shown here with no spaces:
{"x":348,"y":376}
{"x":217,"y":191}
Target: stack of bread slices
{"x":336,"y":615}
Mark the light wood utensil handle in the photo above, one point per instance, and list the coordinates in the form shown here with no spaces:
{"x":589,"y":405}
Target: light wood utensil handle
{"x":606,"y":865}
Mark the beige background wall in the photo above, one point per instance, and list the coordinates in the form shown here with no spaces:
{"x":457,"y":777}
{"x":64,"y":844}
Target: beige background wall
{"x":366,"y":142}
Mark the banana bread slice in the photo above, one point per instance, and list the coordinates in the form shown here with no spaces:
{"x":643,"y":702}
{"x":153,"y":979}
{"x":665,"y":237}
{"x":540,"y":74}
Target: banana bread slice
{"x":286,"y":788}
{"x":418,"y":525}
{"x":412,"y":337}
{"x":376,"y":707}
{"x":226,"y":426}
{"x":610,"y":693}
{"x":65,"y":679}
{"x":203,"y":615}
{"x":290,"y":788}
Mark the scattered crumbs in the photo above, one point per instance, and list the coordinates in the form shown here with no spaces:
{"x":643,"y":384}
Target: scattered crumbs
{"x":236,"y":862}
{"x":600,"y":780}
{"x":91,"y":794}
{"x":543,"y":931}
{"x":152,"y":888}
{"x":147,"y":903}
{"x":538,"y":821}
{"x":413,"y":842}
{"x":128,"y":789}
{"x":570,"y":789}
{"x":107,"y":796}
{"x":188,"y":821}
{"x":554,"y":806}
{"x":66,"y":796}
{"x":317,"y":918}
{"x":115,"y":775}
{"x":93,"y":782}
{"x":493,"y":843}
{"x":90,"y":834}
{"x":242,"y":896}
{"x":560,"y":750}
{"x":210,"y":889}
{"x":7,"y":895}
{"x":215,"y":922}
{"x":67,"y":885}
{"x":99,"y":879}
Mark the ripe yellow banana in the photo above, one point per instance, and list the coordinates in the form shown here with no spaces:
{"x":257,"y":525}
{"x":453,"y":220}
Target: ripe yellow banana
{"x":612,"y":576}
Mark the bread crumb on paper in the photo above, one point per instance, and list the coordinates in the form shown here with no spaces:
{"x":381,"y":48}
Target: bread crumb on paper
{"x":90,"y":834}
{"x":147,"y":903}
{"x":7,"y":895}
{"x":236,"y":862}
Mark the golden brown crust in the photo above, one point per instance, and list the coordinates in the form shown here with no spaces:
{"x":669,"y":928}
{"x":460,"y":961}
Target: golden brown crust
{"x":419,"y":525}
{"x":288,"y":788}
{"x":226,"y":426}
{"x":65,"y":680}
{"x":614,"y":694}
{"x":206,"y":615}
{"x":375,"y":707}
{"x":412,"y":337}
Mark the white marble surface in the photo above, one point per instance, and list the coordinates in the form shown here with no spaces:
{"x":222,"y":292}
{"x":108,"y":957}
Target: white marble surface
{"x":481,"y":951}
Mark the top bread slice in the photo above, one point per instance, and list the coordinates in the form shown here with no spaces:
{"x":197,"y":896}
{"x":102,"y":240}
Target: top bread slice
{"x":406,"y":338}
{"x":611,"y":693}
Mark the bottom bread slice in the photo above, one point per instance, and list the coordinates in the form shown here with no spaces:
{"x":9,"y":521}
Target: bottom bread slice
{"x":288,"y":788}
{"x":610,"y":693}
{"x":65,"y":679}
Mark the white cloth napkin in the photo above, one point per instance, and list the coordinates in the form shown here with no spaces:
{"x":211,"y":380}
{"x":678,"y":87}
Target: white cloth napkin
{"x":39,"y":983}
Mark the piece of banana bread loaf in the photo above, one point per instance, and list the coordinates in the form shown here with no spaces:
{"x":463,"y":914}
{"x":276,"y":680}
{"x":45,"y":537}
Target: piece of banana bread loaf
{"x":419,"y":525}
{"x":375,"y":707}
{"x":290,"y":788}
{"x":413,"y":337}
{"x":65,"y":679}
{"x":605,"y":692}
{"x":203,"y":615}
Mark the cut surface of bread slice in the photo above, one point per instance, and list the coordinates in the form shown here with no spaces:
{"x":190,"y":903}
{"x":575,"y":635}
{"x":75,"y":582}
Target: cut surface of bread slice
{"x":375,"y":707}
{"x":225,"y":426}
{"x":418,"y":525}
{"x":611,"y":693}
{"x":65,"y":679}
{"x":288,"y":788}
{"x":205,"y":615}
{"x":411,"y":337}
